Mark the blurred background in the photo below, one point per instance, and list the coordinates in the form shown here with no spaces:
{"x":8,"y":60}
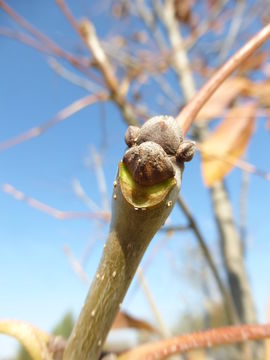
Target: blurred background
{"x":62,"y":126}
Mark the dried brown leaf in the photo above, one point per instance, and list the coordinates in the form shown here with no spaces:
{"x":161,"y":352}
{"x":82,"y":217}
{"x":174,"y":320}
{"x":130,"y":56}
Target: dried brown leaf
{"x":124,"y":320}
{"x":222,"y":98}
{"x":229,"y":139}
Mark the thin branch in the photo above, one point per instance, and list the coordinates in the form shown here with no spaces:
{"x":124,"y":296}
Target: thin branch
{"x":174,"y":228}
{"x":206,"y":24}
{"x":87,"y":32}
{"x":45,"y":40}
{"x":150,"y":21}
{"x":59,"y":117}
{"x":161,"y":323}
{"x":189,"y":113}
{"x":156,"y":249}
{"x":101,"y":179}
{"x":76,"y":266}
{"x":72,"y":77}
{"x":233,"y":31}
{"x":79,"y":191}
{"x":58,"y":214}
{"x":91,"y":40}
{"x":200,"y":340}
{"x":24,"y":38}
{"x":228,"y":303}
{"x":69,"y":16}
{"x":243,"y":201}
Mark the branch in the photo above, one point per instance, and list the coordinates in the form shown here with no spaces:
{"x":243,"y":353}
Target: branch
{"x":43,"y":39}
{"x":205,"y":339}
{"x":139,"y":210}
{"x":228,"y":303}
{"x":24,"y":38}
{"x":70,"y":76}
{"x":59,"y":117}
{"x":58,"y":214}
{"x":89,"y":35}
{"x":76,"y":266}
{"x":191,"y":110}
{"x":87,"y":32}
{"x":163,"y":329}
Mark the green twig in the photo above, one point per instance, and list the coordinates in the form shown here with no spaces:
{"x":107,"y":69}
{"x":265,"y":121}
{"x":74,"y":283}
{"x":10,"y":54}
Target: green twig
{"x":137,"y":214}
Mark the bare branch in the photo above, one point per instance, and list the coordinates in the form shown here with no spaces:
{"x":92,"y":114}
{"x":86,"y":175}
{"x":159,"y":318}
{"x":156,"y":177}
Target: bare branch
{"x":46,"y":41}
{"x":101,"y":179}
{"x":58,"y":214}
{"x":72,"y":77}
{"x":79,"y":191}
{"x":150,"y":299}
{"x":228,"y":303}
{"x":189,"y":113}
{"x":199,"y":340}
{"x":24,"y":38}
{"x":76,"y":266}
{"x":59,"y":117}
{"x":91,"y":40}
{"x":233,"y":31}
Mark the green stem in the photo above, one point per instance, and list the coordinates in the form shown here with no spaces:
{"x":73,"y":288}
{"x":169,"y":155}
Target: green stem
{"x":138,"y":212}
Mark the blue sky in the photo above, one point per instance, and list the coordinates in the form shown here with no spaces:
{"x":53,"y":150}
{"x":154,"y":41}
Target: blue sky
{"x":36,"y":281}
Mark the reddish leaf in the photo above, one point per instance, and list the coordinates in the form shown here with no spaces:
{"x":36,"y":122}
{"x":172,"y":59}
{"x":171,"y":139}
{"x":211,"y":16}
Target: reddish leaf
{"x":229,"y":140}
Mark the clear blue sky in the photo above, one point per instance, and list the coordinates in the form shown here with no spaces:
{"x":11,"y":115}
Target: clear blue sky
{"x":36,"y":281}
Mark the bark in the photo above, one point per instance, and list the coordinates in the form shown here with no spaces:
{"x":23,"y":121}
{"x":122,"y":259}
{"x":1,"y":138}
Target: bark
{"x":138,"y":212}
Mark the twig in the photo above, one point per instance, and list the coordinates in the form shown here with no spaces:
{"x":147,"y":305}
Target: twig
{"x":243,"y":209}
{"x":189,"y":113}
{"x":136,"y":217}
{"x":59,"y":117}
{"x":24,"y":38}
{"x":91,"y":40}
{"x":79,"y":191}
{"x":161,"y":324}
{"x":174,"y":228}
{"x":101,"y":179}
{"x":205,"y":25}
{"x":72,"y":77}
{"x":233,"y":31}
{"x":58,"y":214}
{"x":76,"y":266}
{"x":156,"y":249}
{"x":149,"y":19}
{"x":200,"y":340}
{"x":180,"y":59}
{"x":228,"y":303}
{"x":46,"y":41}
{"x":69,"y":16}
{"x":87,"y":32}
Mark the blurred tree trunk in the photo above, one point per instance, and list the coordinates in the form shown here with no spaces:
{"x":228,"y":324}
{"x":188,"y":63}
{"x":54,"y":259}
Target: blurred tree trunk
{"x":231,"y":244}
